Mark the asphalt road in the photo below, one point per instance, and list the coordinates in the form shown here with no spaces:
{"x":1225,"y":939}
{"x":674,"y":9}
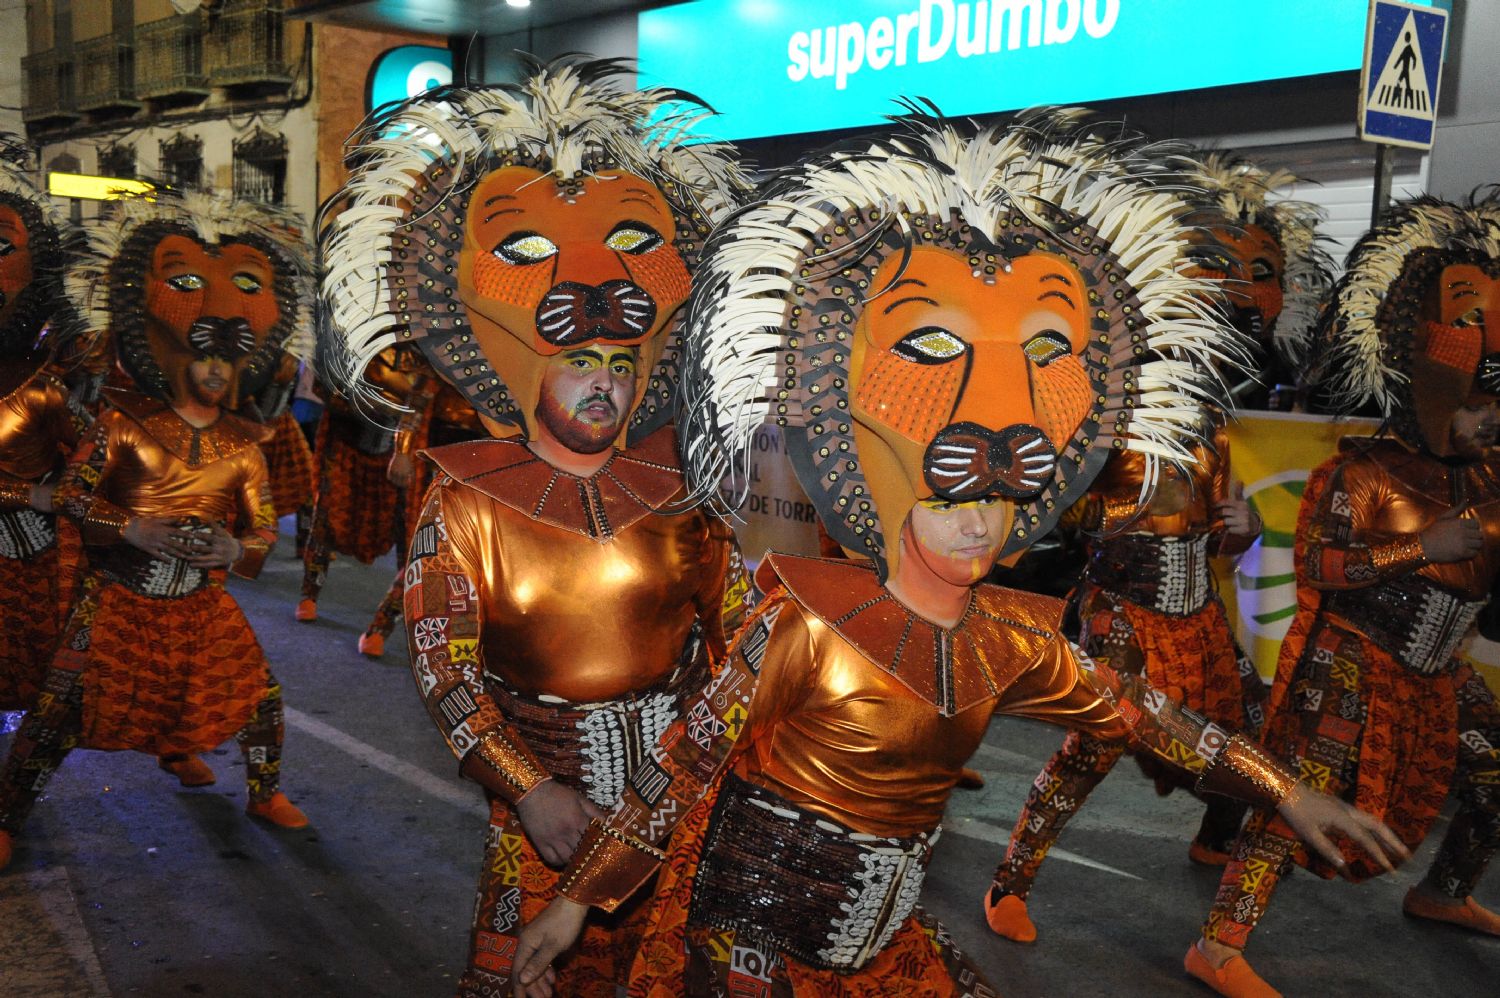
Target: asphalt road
{"x":126,"y":884}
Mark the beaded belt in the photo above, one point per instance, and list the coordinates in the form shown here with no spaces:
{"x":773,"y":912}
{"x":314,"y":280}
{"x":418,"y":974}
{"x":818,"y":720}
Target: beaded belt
{"x":1165,"y":574}
{"x":801,"y":884}
{"x":595,"y":747}
{"x":25,"y":533}
{"x":147,"y":576}
{"x":1417,"y":622}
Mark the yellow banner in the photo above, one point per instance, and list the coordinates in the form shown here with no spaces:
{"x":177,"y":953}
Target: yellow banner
{"x":1272,"y":453}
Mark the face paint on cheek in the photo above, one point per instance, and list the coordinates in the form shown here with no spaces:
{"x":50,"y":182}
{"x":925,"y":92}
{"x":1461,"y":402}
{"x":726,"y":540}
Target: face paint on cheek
{"x":521,"y":286}
{"x":176,"y":310}
{"x":914,"y":400}
{"x":662,"y":274}
{"x":1458,"y":347}
{"x":1061,"y":395}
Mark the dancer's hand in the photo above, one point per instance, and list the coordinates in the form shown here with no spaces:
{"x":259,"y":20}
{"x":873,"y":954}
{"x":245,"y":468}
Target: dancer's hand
{"x":41,"y":497}
{"x":1452,"y":537}
{"x":1313,"y":816}
{"x":157,"y":537}
{"x":401,"y":470}
{"x":1239,"y":519}
{"x":211,"y":548}
{"x":555,"y":817}
{"x":542,"y":939}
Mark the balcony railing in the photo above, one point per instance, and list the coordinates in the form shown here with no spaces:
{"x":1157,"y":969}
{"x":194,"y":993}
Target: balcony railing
{"x":106,"y":74}
{"x":245,"y":44}
{"x":48,"y":94}
{"x":169,"y":59}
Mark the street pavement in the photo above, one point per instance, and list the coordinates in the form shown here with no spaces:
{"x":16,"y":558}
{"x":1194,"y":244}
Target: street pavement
{"x":126,"y":884}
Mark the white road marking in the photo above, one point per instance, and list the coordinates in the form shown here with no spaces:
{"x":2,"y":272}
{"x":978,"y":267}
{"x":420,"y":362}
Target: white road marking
{"x":40,"y":912}
{"x":973,"y":828}
{"x":465,"y":799}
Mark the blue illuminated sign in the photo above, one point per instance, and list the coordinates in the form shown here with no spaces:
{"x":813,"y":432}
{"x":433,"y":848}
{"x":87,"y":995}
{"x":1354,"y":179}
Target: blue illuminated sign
{"x":775,"y":67}
{"x":404,"y":72}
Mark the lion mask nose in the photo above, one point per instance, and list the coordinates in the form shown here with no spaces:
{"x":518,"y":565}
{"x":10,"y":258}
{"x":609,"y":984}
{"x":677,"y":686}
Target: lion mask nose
{"x":966,"y":461}
{"x":574,"y":313}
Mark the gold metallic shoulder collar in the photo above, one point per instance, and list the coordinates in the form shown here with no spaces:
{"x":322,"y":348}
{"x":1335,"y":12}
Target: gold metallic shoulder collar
{"x":634,"y":484}
{"x":193,"y":446}
{"x":1001,"y":633}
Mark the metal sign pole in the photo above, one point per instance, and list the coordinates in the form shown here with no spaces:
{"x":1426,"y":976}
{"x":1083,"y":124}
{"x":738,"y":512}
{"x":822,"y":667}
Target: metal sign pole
{"x":1385,"y":165}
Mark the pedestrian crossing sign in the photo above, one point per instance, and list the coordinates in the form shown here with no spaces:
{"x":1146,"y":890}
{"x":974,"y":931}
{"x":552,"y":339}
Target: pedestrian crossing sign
{"x":1398,"y":93}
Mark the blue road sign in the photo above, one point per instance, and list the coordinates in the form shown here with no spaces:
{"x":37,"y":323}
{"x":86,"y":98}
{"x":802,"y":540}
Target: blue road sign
{"x":1403,"y":62}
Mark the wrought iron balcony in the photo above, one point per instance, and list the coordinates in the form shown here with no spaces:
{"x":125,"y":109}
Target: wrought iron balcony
{"x":106,"y":74}
{"x":244,"y":45}
{"x":48,"y":97}
{"x":169,"y":59}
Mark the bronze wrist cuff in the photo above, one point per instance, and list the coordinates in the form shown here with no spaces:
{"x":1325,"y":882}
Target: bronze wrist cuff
{"x":517,"y":768}
{"x":607,"y":867}
{"x":104,"y":521}
{"x":1246,"y":772}
{"x":15,"y":494}
{"x":1398,"y":555}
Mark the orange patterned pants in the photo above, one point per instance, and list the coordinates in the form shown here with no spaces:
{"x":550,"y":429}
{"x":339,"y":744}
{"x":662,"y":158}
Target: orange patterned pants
{"x":1358,"y":725}
{"x":1195,"y":660}
{"x":514,"y":886}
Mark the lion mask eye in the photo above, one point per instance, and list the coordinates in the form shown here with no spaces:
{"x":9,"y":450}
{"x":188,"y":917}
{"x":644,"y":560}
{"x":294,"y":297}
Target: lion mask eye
{"x":6,"y":247}
{"x":1473,"y":317}
{"x":930,"y":345}
{"x":247,"y":283}
{"x":1261,"y":270}
{"x":633,"y":237}
{"x":525,"y":247}
{"x":186,"y":282}
{"x":1045,"y":347}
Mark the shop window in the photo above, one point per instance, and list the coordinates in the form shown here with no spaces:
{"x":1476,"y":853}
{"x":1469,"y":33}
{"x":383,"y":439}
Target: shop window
{"x":117,"y":160}
{"x":260,"y":167}
{"x":182,"y":160}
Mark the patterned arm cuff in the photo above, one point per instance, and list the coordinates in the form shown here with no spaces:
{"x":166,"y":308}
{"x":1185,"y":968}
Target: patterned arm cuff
{"x":508,"y":758}
{"x":14,"y":493}
{"x":608,"y":866}
{"x":104,"y":523}
{"x":1115,"y":512}
{"x":253,"y":551}
{"x":1246,"y":772}
{"x":1399,"y":556}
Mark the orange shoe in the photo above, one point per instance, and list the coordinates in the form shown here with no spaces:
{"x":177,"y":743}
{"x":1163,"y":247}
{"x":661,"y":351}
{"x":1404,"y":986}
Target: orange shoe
{"x":1233,"y":980}
{"x":5,"y":849}
{"x":1468,"y":913}
{"x":372,"y":644}
{"x":969,"y":779}
{"x":1205,"y":855}
{"x":1006,"y":916}
{"x":307,"y":610}
{"x":190,"y":770}
{"x":278,"y":811}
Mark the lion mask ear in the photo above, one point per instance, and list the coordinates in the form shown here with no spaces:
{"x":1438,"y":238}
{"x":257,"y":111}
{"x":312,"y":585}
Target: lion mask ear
{"x":773,"y":319}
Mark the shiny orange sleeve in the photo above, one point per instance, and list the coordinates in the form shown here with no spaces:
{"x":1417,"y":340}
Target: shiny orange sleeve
{"x":442,"y":616}
{"x":1065,"y":687}
{"x":1223,"y":543}
{"x":1338,"y":548}
{"x":726,"y":594}
{"x":257,"y":515}
{"x":411,"y":428}
{"x":766,"y":676}
{"x":77,"y":496}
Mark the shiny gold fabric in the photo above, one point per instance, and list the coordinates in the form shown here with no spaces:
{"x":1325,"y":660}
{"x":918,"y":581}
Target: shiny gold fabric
{"x":1396,"y":493}
{"x":142,"y":459}
{"x":37,"y":430}
{"x":1183,"y":502}
{"x":566,"y":615}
